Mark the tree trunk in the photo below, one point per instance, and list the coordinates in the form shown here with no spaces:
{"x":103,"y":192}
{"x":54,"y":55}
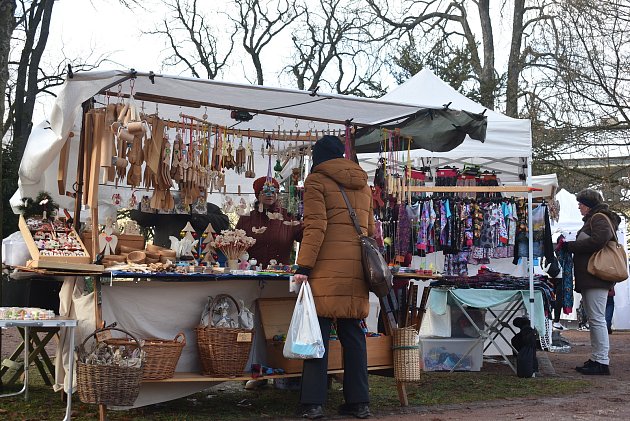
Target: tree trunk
{"x":7,"y":21}
{"x":515,"y":62}
{"x":37,"y":27}
{"x":487,"y":82}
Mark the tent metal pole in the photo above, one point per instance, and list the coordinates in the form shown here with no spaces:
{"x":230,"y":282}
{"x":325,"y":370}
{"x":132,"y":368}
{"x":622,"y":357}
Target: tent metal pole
{"x":530,"y":237}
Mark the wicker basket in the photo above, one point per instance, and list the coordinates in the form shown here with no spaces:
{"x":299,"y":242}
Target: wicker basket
{"x":406,"y":355}
{"x":105,"y":384}
{"x":223,"y":352}
{"x":162,"y":355}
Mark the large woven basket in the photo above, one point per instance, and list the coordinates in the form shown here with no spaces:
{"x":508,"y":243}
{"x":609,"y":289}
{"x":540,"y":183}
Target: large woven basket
{"x":406,"y":355}
{"x":106,"y":384}
{"x":223,"y":352}
{"x":162,"y":355}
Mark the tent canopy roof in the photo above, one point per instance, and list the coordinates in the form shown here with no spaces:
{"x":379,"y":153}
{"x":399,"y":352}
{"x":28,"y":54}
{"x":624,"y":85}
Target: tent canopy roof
{"x":269,"y":106}
{"x":506,"y":137}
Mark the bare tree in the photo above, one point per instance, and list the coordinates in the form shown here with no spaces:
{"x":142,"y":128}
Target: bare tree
{"x":331,"y":47}
{"x":259,"y":21}
{"x":28,"y":78}
{"x":450,"y":20}
{"x":583,"y":95}
{"x":193,"y":41}
{"x":7,"y":21}
{"x":452,"y":25}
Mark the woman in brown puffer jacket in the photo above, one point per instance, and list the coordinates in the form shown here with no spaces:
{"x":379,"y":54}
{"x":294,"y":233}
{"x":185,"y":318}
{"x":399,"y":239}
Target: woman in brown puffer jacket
{"x":330,"y":260}
{"x":600,"y":225}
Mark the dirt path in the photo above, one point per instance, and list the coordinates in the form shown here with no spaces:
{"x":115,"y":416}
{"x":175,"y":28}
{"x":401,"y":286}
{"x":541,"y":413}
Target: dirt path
{"x":608,"y":397}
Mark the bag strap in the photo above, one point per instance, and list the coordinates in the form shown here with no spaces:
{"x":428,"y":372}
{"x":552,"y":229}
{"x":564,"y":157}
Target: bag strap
{"x":609,"y":223}
{"x":353,"y":214}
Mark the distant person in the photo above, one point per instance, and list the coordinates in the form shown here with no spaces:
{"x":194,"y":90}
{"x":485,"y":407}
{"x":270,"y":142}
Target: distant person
{"x":600,"y":225}
{"x":330,"y":261}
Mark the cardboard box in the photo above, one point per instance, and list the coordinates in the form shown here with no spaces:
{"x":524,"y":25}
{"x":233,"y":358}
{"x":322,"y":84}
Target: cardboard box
{"x":134,"y":241}
{"x":442,"y":354}
{"x":275,"y":315}
{"x":77,"y":263}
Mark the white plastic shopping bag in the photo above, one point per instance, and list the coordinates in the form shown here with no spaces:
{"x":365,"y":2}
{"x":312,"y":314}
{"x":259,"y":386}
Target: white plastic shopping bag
{"x":304,"y":339}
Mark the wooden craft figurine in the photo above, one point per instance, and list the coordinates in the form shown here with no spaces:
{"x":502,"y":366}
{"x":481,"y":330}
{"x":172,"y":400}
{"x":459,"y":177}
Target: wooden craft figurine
{"x":108,"y":240}
{"x":249,"y":153}
{"x":240,"y":158}
{"x":177,"y":172}
{"x":162,"y":198}
{"x":136,"y":131}
{"x":228,"y":158}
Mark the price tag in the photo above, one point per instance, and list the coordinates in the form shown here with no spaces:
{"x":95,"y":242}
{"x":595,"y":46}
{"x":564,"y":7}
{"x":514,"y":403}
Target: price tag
{"x":104,"y":335}
{"x":244,"y":337}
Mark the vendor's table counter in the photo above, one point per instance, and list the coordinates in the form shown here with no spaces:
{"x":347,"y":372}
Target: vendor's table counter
{"x":156,"y":305}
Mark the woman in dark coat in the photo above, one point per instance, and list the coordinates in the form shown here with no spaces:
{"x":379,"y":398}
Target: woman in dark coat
{"x":600,"y":225}
{"x":330,"y":260}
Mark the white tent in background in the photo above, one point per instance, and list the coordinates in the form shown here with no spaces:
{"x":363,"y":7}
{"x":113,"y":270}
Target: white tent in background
{"x":506,"y":137}
{"x":569,"y":223}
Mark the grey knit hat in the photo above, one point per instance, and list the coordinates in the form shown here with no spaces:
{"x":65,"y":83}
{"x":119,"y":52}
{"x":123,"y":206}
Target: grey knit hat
{"x":589,"y":198}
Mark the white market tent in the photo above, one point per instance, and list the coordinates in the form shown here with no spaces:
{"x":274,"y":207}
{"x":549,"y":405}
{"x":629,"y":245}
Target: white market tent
{"x":569,"y":222}
{"x":507,"y":148}
{"x":272,"y":108}
{"x":508,"y":143}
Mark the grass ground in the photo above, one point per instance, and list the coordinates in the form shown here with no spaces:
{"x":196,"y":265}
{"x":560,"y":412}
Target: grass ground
{"x":230,"y":402}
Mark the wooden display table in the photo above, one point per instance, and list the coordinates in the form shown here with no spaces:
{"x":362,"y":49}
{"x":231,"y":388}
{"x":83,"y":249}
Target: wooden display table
{"x":160,"y":305}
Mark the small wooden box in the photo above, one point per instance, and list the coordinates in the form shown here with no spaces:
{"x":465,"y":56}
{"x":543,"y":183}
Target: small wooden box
{"x":275,"y":315}
{"x":77,"y":263}
{"x":135,"y":242}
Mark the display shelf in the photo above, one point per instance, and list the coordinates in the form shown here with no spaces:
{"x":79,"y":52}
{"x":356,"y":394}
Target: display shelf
{"x":416,"y":276}
{"x":183,"y":377}
{"x":59,"y":262}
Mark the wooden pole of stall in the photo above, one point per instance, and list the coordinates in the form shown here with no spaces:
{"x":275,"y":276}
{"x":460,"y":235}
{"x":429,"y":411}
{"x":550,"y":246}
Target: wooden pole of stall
{"x":78,"y":187}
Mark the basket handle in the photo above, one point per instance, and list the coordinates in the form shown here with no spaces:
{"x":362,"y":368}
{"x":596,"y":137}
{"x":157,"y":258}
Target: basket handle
{"x":220,"y":297}
{"x":111,"y":327}
{"x":181,"y":336}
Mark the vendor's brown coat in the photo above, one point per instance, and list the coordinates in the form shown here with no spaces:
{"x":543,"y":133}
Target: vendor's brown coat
{"x":330,"y":244}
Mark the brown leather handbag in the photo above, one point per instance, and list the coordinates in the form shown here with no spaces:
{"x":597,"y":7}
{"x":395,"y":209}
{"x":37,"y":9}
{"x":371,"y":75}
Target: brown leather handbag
{"x":376,"y":273}
{"x":610,"y":263}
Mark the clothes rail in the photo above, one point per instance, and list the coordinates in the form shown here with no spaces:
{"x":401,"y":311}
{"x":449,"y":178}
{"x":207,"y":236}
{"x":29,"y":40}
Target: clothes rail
{"x":472,"y":189}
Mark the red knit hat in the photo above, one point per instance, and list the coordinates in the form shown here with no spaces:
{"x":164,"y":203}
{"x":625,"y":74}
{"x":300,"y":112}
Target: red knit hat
{"x":260,"y":182}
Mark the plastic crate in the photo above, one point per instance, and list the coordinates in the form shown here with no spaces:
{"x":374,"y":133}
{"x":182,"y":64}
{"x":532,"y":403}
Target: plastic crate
{"x":442,"y":354}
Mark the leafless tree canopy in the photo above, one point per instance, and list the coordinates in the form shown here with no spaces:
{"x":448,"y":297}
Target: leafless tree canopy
{"x":564,"y":64}
{"x":192,"y":38}
{"x":259,"y":21}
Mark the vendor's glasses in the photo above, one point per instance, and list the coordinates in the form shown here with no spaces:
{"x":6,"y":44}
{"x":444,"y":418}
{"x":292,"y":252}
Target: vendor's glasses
{"x":269,"y":190}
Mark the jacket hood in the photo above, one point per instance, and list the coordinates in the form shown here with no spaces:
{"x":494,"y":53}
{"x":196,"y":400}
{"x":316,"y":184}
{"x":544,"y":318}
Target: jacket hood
{"x":344,"y":171}
{"x":603,"y":209}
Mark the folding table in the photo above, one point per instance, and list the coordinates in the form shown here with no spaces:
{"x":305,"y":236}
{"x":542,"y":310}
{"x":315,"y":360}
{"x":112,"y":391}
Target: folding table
{"x":57,"y":322}
{"x":501,"y":305}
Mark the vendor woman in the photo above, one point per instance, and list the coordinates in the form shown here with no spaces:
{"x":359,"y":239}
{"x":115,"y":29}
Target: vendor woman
{"x":270,"y":225}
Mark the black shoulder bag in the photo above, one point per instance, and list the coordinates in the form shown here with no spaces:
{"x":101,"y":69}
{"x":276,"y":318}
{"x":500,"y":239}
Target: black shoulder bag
{"x":376,"y":273}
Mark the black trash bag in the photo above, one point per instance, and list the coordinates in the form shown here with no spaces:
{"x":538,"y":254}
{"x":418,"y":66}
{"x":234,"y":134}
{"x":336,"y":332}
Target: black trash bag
{"x":525,"y":344}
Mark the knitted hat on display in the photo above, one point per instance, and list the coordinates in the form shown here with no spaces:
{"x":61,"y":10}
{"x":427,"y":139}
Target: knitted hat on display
{"x":327,"y":148}
{"x":259,"y":183}
{"x":589,"y":198}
